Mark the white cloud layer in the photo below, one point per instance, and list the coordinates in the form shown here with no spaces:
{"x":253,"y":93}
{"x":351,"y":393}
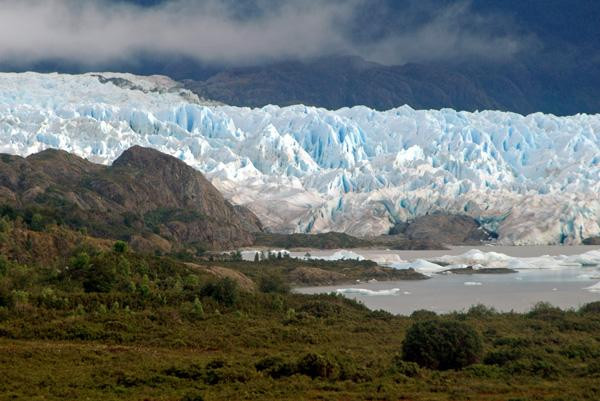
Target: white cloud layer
{"x":98,"y":31}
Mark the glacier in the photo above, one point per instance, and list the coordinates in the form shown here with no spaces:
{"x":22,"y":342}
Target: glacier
{"x":532,"y":179}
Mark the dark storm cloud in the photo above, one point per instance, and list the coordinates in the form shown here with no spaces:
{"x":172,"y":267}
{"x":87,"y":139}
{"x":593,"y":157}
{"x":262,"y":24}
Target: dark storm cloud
{"x":212,"y":31}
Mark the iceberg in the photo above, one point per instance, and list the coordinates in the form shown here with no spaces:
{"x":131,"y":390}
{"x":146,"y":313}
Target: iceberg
{"x":364,"y":291}
{"x":480,"y":259}
{"x":594,"y":288}
{"x":420,"y":265}
{"x":339,"y":255}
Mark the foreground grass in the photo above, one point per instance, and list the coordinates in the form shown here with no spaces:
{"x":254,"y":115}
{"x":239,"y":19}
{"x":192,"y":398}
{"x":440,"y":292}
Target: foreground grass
{"x":109,"y":324}
{"x":546,"y":355}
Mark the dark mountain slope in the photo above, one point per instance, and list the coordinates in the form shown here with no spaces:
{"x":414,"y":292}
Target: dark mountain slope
{"x":144,"y":193}
{"x":335,"y":82}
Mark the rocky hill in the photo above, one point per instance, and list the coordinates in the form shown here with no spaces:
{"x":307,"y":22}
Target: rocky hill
{"x":151,"y":199}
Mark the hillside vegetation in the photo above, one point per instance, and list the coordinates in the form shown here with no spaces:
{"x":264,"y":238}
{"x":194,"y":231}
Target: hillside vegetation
{"x":156,"y":201}
{"x":97,"y":320}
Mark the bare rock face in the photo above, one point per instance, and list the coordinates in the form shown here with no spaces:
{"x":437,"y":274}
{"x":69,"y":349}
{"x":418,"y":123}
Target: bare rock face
{"x":592,"y":241}
{"x":143,"y":192}
{"x":444,"y":228}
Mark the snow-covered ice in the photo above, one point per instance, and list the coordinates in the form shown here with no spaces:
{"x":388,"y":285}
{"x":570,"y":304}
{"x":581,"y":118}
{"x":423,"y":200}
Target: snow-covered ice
{"x":594,"y":288}
{"x":533,"y":179}
{"x":364,"y":291}
{"x":339,"y":255}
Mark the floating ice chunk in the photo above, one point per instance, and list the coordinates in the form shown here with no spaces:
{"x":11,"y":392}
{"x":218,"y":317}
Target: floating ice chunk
{"x":364,"y":291}
{"x":420,"y":265}
{"x":476,"y":257}
{"x":472,"y":283}
{"x":588,"y":259}
{"x":594,"y":288}
{"x":479,"y":260}
{"x":340,"y":255}
{"x":387,"y":259}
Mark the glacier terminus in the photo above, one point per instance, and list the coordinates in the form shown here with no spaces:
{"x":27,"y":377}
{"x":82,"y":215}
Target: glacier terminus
{"x":532,"y":179}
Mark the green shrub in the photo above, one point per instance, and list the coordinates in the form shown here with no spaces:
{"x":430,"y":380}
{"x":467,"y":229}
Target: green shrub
{"x":409,"y":369}
{"x":423,"y":314}
{"x":193,"y":396}
{"x":190,"y":372}
{"x":276,"y":367}
{"x":317,"y":366}
{"x":484,"y":371}
{"x":6,"y":296}
{"x":593,"y":368}
{"x":224,"y":291}
{"x":37,"y":222}
{"x":545,"y":311}
{"x":218,"y":371}
{"x":4,"y":264}
{"x":120,"y":247}
{"x":100,"y":278}
{"x":442,"y":344}
{"x":273,"y":283}
{"x":503,"y":356}
{"x":592,"y":307}
{"x":321,"y":308}
{"x":481,"y":311}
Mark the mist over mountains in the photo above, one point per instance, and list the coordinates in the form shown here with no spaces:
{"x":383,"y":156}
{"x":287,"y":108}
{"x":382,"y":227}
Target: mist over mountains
{"x":467,"y":55}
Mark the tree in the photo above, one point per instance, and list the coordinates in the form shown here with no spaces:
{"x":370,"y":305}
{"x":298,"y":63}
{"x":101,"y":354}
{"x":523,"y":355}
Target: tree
{"x":256,"y":258}
{"x":442,"y":344}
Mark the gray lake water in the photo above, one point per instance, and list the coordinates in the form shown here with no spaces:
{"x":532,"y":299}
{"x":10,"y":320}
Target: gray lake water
{"x":505,"y":292}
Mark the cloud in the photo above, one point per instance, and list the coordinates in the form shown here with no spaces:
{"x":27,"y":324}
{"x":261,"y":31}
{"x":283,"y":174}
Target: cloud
{"x":100,"y":31}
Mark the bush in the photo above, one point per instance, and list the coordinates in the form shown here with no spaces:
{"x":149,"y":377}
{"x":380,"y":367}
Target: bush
{"x":545,"y":311}
{"x":409,"y":369}
{"x":224,"y":291}
{"x":275,"y":367}
{"x":273,"y":283}
{"x":321,"y":308}
{"x":193,"y":396}
{"x":315,"y":365}
{"x":502,"y":357}
{"x":481,"y":311}
{"x":442,"y":344}
{"x":120,"y":247}
{"x":423,"y":314}
{"x":37,"y":222}
{"x":3,"y":265}
{"x":592,"y":307}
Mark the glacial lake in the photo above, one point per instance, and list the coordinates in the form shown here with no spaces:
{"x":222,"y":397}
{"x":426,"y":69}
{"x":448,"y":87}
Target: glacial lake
{"x":566,"y":287}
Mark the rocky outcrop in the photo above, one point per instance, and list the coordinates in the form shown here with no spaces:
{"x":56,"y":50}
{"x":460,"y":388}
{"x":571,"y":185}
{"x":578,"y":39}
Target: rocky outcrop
{"x":444,"y":228}
{"x":591,"y":241}
{"x":144,"y":192}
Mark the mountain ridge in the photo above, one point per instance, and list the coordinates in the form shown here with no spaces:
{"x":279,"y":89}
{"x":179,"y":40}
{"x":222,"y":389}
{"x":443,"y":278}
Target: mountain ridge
{"x":144,"y":192}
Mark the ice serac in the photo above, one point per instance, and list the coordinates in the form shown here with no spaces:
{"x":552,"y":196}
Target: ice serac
{"x":531,"y":179}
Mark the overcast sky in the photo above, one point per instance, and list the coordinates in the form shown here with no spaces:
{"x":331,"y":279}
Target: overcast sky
{"x":221,"y":32}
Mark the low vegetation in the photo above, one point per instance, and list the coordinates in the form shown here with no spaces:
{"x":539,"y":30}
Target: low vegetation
{"x":99,"y":321}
